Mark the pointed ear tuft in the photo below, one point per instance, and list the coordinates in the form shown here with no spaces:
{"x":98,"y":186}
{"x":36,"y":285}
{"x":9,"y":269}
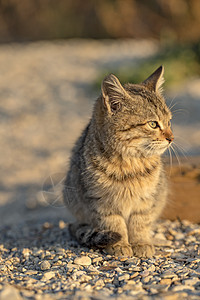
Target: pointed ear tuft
{"x":155,"y":81}
{"x":112,"y":92}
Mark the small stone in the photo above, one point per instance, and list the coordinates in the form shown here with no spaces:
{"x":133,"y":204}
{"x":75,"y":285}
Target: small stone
{"x":197,"y":270}
{"x":169,"y":237}
{"x":47,"y":225}
{"x":152,"y":268}
{"x":174,"y":296}
{"x":48,"y":275}
{"x":62,"y":224}
{"x":183,"y":275}
{"x":97,"y":259}
{"x":158,"y":287}
{"x":131,"y":282}
{"x":118,"y":270}
{"x":144,"y":273}
{"x":31,"y":272}
{"x":133,"y":261}
{"x":166,"y":281}
{"x":179,"y":236}
{"x":45,"y":265}
{"x":134,"y":275}
{"x":124,"y":277}
{"x":168,"y":274}
{"x":136,"y":269}
{"x":160,"y":236}
{"x":138,"y":286}
{"x":194,"y":231}
{"x":10,"y":292}
{"x":190,"y":281}
{"x":178,"y":288}
{"x":28,"y":294}
{"x":99,"y":282}
{"x":26,"y":252}
{"x":2,"y":268}
{"x":85,"y":278}
{"x":83,"y":260}
{"x":146,"y":279}
{"x":88,"y":287}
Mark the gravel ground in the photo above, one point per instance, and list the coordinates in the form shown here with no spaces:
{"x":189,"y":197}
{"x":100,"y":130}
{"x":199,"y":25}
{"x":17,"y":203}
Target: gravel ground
{"x":39,"y":261}
{"x":45,"y":101}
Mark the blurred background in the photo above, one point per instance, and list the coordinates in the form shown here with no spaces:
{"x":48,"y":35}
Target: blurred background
{"x":47,"y":19}
{"x":53,"y":56}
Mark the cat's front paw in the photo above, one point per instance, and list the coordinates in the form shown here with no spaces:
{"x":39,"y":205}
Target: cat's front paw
{"x":143,"y":250}
{"x":120,"y":250}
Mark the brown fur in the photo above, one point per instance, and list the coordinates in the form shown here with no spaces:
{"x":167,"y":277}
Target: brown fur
{"x":116,"y":168}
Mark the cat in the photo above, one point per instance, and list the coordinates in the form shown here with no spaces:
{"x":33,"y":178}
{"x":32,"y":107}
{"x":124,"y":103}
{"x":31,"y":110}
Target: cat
{"x":116,"y":168}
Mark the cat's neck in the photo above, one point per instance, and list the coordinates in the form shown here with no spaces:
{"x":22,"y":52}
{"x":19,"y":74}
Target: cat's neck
{"x":136,"y":164}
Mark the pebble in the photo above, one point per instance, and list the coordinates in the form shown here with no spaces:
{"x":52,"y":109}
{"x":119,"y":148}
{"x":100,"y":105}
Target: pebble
{"x":58,"y":270}
{"x":10,"y":293}
{"x":124,"y":277}
{"x":144,"y":273}
{"x":157,"y":287}
{"x":31,"y":272}
{"x":191,"y":281}
{"x":168,"y":274}
{"x":45,"y":265}
{"x":3,"y":268}
{"x":83,"y":261}
{"x":180,"y":236}
{"x":48,"y":275}
{"x":135,"y":274}
{"x":182,"y":288}
{"x":146,"y":279}
{"x":165,"y":281}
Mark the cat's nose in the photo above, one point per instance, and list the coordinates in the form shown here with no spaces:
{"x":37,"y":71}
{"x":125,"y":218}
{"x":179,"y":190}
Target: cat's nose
{"x":170,"y":138}
{"x":168,"y":135}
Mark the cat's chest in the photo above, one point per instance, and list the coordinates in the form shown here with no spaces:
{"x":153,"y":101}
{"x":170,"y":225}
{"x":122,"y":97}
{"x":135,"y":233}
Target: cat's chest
{"x":136,"y":196}
{"x":125,"y":198}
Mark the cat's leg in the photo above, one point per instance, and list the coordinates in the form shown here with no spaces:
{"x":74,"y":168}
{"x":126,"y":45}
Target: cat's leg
{"x":93,"y":237}
{"x":116,"y":223}
{"x":139,"y":227}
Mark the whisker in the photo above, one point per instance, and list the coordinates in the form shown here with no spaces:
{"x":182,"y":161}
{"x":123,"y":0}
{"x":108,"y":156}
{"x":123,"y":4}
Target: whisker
{"x":170,"y":160}
{"x":180,"y":145}
{"x":180,"y":111}
{"x":176,"y":154}
{"x":171,"y":103}
{"x":173,"y":106}
{"x":180,"y":149}
{"x":183,"y":139}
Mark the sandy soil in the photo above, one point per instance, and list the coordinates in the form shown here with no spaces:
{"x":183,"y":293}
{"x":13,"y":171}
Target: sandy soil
{"x":46,"y":98}
{"x":184,"y":200}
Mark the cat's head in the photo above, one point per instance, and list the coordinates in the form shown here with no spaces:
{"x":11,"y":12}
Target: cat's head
{"x":135,"y":119}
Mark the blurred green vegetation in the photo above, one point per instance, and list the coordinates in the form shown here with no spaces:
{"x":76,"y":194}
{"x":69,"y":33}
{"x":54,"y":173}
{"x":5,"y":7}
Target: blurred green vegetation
{"x":181,"y":62}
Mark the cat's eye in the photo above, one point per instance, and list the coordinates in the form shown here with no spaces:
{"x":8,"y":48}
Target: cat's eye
{"x":153,"y":124}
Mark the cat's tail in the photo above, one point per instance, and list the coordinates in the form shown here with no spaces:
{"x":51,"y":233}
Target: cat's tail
{"x":92,"y":238}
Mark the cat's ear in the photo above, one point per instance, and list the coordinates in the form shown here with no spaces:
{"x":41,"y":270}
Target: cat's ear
{"x":155,"y":81}
{"x":112,"y":93}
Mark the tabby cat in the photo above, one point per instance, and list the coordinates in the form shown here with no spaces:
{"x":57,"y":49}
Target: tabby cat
{"x":116,"y":168}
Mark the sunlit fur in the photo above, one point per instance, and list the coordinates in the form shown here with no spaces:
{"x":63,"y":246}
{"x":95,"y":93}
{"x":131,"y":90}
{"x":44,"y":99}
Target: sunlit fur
{"x":116,"y":168}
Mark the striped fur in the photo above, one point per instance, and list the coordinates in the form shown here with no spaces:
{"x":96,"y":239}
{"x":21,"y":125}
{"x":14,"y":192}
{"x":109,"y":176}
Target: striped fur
{"x":93,"y":238}
{"x":116,"y":168}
